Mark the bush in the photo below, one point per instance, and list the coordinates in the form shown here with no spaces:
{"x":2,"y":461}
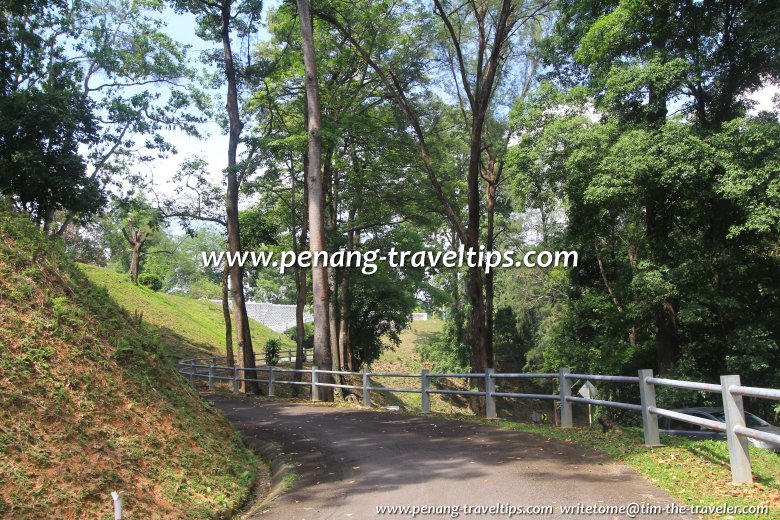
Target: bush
{"x":308,"y":334}
{"x":150,"y":280}
{"x":272,"y":349}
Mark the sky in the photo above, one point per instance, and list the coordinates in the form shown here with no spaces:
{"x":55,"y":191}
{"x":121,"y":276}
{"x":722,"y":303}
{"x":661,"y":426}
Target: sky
{"x":213,"y":148}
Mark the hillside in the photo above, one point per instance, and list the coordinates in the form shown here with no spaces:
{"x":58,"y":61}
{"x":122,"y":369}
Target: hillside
{"x":90,"y":402}
{"x":185,"y":323}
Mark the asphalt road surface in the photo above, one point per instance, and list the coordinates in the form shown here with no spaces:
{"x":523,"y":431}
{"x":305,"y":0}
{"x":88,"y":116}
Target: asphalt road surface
{"x":351,"y":461}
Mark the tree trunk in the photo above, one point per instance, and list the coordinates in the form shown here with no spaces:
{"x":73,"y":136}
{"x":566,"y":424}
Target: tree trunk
{"x":331,"y":225}
{"x":136,"y":238}
{"x":333,"y":328}
{"x":492,"y":193}
{"x":246,"y":352}
{"x":135,"y":261}
{"x":474,"y":286}
{"x":226,"y":315}
{"x":300,"y":273}
{"x":344,"y":344}
{"x":322,"y":352}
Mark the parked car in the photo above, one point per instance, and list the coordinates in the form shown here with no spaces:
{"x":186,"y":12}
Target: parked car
{"x":670,"y":426}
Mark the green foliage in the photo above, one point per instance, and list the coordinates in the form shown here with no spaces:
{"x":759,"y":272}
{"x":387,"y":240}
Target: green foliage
{"x":152,"y":281}
{"x":308,"y":334}
{"x":257,"y":230}
{"x":445,"y":352}
{"x":272,"y":348}
{"x":76,"y":104}
{"x":43,"y":118}
{"x":675,"y":218}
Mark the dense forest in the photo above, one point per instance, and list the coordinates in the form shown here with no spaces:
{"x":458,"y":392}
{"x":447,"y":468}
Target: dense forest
{"x":627,"y":131}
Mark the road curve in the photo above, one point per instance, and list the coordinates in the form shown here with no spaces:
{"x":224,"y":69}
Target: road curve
{"x":351,"y":461}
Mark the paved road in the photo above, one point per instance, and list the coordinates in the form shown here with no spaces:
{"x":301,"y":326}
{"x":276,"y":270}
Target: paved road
{"x":351,"y":461}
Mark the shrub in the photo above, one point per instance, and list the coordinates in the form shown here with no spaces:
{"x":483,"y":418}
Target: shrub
{"x":272,"y":349}
{"x":150,"y":280}
{"x":308,"y":334}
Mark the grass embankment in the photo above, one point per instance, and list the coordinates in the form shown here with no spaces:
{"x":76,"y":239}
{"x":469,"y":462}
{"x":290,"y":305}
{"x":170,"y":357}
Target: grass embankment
{"x":694,"y":472}
{"x":184,"y":323}
{"x":405,"y":359}
{"x":90,"y":402}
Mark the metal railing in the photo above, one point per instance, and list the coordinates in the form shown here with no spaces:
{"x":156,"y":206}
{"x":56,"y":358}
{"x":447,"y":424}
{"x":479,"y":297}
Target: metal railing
{"x":730,"y":388}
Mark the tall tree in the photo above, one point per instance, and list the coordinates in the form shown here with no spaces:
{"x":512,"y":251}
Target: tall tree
{"x":217,"y":20}
{"x":316,"y":200}
{"x":479,"y":37}
{"x":43,"y":120}
{"x":668,"y":280}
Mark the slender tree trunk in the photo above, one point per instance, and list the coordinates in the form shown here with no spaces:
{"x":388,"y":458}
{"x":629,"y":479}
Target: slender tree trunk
{"x":475,"y":285}
{"x":246,"y":352}
{"x":136,"y":238}
{"x":457,"y":302}
{"x":333,"y":328}
{"x":226,"y":315}
{"x":300,"y":301}
{"x":322,"y":352}
{"x":344,"y":343}
{"x":135,"y":261}
{"x":331,"y":225}
{"x":492,"y":195}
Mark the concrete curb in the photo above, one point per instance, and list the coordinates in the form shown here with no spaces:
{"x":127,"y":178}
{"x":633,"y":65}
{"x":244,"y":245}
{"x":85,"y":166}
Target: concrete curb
{"x":281,"y":473}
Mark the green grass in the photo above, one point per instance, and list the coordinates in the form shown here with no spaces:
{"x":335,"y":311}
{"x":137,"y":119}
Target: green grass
{"x":193,"y":324}
{"x":694,"y":472}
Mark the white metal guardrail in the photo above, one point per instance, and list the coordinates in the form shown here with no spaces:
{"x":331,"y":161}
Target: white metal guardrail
{"x":730,"y":388}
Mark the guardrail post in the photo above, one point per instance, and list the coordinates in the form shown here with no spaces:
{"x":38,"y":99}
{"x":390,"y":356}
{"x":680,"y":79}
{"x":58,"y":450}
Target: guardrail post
{"x":289,"y":354}
{"x":649,"y":420}
{"x":192,"y":374}
{"x":738,"y":444}
{"x":235,"y":379}
{"x":564,"y":388}
{"x":315,"y":391}
{"x":271,"y":392}
{"x":366,"y":391}
{"x":212,"y":371}
{"x":425,"y":397}
{"x":490,"y":400}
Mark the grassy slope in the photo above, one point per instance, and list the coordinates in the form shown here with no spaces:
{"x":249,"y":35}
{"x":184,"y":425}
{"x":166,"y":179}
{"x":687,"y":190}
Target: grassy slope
{"x":90,"y":402}
{"x":693,"y":472}
{"x":185,"y":322}
{"x":404,"y":358}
